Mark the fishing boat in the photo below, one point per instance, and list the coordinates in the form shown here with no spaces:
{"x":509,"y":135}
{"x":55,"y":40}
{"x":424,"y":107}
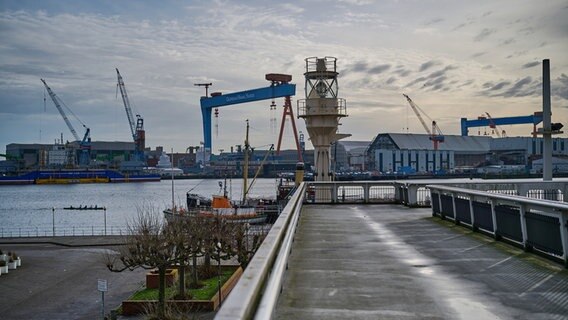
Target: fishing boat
{"x":252,"y":211}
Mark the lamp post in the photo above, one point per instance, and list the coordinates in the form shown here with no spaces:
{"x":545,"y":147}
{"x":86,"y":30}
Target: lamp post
{"x":219,"y":271}
{"x":53,"y":219}
{"x":105,"y":215}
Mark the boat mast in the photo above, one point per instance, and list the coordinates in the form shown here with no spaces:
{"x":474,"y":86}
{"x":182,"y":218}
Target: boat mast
{"x":245,"y":166}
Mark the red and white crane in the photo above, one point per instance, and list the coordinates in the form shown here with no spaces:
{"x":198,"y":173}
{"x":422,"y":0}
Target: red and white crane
{"x":435,"y":133}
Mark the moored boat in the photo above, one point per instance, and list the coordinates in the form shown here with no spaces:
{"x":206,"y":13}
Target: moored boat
{"x":252,"y":211}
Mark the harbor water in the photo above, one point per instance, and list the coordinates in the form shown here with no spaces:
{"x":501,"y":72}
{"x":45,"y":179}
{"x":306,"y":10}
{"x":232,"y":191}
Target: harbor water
{"x":37,"y":210}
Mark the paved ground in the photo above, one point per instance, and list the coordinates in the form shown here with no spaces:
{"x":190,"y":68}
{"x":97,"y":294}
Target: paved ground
{"x":58,"y":279}
{"x":392,"y":262}
{"x":56,"y":282}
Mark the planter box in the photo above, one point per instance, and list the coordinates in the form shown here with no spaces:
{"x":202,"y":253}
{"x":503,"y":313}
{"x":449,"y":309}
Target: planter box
{"x":12,"y":265}
{"x":4,"y":269}
{"x":153,"y":279}
{"x":19,"y":262}
{"x":134,"y":307}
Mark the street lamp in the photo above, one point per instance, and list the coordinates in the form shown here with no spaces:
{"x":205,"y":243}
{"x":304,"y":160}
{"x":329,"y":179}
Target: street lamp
{"x":105,"y":211}
{"x":219,"y":271}
{"x":53,"y":219}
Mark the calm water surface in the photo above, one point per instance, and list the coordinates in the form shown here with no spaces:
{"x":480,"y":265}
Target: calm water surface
{"x":27,"y":210}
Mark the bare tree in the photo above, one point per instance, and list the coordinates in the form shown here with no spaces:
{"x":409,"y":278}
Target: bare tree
{"x":150,"y":244}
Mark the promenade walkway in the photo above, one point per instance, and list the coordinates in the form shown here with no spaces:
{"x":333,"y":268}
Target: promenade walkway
{"x":392,"y":262}
{"x":58,"y":278}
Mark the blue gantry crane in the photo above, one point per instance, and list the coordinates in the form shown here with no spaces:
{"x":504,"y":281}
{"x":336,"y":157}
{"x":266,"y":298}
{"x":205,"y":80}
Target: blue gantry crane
{"x":534,"y":119}
{"x":85,"y":143}
{"x":275,"y":90}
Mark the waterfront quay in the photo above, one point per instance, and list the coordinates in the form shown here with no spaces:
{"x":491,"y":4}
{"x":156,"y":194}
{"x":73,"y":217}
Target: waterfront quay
{"x":58,"y":278}
{"x":341,"y":250}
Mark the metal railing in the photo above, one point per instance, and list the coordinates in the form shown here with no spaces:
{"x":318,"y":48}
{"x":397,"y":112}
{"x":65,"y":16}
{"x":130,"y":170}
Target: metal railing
{"x":534,"y":224}
{"x":351,"y":192}
{"x":413,"y":193}
{"x":71,"y":231}
{"x":263,"y":276}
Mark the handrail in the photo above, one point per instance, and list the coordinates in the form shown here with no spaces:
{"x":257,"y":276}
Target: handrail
{"x":243,"y":301}
{"x":549,"y":236}
{"x":560,"y":206}
{"x":270,"y":296}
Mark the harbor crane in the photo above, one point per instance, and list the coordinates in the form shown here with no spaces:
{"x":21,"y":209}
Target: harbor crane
{"x":494,"y":127}
{"x":85,"y":143}
{"x":435,"y":133}
{"x":136,"y":128}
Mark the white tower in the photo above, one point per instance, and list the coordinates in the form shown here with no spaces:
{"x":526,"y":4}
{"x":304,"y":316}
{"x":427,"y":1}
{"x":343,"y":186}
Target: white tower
{"x":322,"y":110}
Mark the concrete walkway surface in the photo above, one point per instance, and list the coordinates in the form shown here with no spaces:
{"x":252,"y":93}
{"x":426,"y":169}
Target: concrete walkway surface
{"x":393,"y":262}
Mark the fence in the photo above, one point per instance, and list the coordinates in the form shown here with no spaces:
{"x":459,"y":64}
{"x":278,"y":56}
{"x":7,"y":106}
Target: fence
{"x":534,"y":224}
{"x":415,"y":194}
{"x":22,"y":232}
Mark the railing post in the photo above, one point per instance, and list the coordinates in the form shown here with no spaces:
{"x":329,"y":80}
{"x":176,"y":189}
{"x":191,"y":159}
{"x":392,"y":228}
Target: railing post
{"x":366,"y":192}
{"x":564,"y":235}
{"x":471,"y":200}
{"x":494,"y":218}
{"x":523,"y":211}
{"x":398,"y":193}
{"x":334,"y":193}
{"x":456,"y":220}
{"x":412,"y":198}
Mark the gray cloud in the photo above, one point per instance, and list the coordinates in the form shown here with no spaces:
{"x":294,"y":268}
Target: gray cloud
{"x":478,"y":54}
{"x":531,"y":64}
{"x":390,"y":80}
{"x":521,"y":88}
{"x":559,"y":87}
{"x":359,"y":67}
{"x":466,"y":83}
{"x":379,"y":69}
{"x":486,"y":32}
{"x":415,"y":81}
{"x":433,"y":21}
{"x":428,"y":65}
{"x":507,"y":41}
{"x":402,"y":72}
{"x":499,"y":86}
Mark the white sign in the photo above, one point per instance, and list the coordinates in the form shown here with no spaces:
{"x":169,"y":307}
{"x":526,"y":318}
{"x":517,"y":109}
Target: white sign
{"x":102,"y":285}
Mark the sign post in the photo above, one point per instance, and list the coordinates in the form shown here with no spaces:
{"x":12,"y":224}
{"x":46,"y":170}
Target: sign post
{"x":102,"y":287}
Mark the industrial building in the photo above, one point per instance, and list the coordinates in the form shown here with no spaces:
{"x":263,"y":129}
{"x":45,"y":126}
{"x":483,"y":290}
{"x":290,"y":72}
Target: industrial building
{"x":414,"y":153}
{"x":104,"y":154}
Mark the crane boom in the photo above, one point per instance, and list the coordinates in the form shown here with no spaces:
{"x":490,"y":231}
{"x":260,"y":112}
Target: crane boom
{"x":136,"y":128}
{"x":60,"y":109}
{"x":492,"y":125}
{"x":435,"y":133}
{"x":126,"y":102}
{"x":415,"y":109}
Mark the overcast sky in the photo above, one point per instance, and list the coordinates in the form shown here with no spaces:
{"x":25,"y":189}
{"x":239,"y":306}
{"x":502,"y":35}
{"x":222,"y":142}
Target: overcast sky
{"x":453,"y":58}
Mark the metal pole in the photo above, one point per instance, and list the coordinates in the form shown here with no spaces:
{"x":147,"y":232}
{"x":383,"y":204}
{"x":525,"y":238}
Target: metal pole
{"x":105,"y":211}
{"x":103,"y":306}
{"x":172,"y":167}
{"x":219,"y":272}
{"x":53,"y":219}
{"x":546,"y":122}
